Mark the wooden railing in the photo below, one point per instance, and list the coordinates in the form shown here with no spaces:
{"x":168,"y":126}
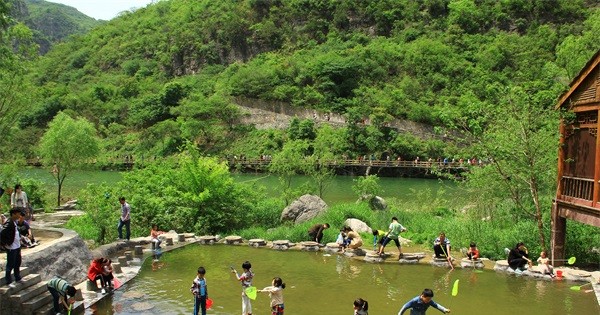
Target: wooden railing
{"x":582,"y":188}
{"x":376,"y":163}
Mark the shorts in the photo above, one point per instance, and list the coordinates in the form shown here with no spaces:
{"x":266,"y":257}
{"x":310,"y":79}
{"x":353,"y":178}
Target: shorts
{"x":386,"y":240}
{"x":277,"y":309}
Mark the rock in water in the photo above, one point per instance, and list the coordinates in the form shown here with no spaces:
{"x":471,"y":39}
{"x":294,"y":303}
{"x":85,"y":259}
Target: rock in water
{"x":141,"y":306}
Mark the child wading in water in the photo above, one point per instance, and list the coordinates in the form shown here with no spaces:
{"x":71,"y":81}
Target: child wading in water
{"x":361,"y":307}
{"x":420,"y":304}
{"x":246,"y":279}
{"x":276,"y":294}
{"x":200,"y":292}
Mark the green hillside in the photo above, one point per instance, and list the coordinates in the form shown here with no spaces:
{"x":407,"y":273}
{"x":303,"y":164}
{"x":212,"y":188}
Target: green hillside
{"x":173,"y":72}
{"x":52,"y":22}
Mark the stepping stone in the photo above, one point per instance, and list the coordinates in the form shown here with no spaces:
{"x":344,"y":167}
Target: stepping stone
{"x":208,"y":240}
{"x":122,"y":260}
{"x":579,"y":273}
{"x":374,"y":257}
{"x":133,"y":295}
{"x":468,"y":263}
{"x":141,"y":306}
{"x":233,"y":239}
{"x":281,"y":245}
{"x":332,"y":247}
{"x":501,"y":265}
{"x":117,"y":268}
{"x":256,"y":242}
{"x":411,"y":258}
{"x":139,"y":250}
{"x":440,"y":262}
{"x":355,"y":252}
{"x":180,"y":238}
{"x":128,"y":255}
{"x":309,"y":246}
{"x":169,"y":241}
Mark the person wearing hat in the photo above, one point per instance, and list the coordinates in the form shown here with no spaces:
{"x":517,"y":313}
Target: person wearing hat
{"x":62,"y":293}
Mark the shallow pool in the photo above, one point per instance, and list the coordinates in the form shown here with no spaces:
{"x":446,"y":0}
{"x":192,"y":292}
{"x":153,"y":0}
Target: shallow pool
{"x":317,"y":283}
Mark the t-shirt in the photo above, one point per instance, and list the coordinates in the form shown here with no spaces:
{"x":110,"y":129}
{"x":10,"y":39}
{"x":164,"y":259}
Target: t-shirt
{"x":395,"y":229}
{"x":59,"y":285}
{"x":199,"y":287}
{"x":246,"y":279}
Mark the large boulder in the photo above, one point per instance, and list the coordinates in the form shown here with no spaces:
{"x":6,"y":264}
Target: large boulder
{"x":304,"y":209}
{"x":357,"y":225}
{"x":375,"y":202}
{"x":378,"y":203}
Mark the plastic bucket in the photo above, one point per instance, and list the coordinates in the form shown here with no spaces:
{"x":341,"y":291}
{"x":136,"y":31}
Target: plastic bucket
{"x":559,"y":273}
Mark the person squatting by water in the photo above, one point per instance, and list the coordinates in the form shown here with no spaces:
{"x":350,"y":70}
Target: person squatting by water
{"x":518,"y":257}
{"x":246,"y":280}
{"x":315,"y":233}
{"x":276,"y":294}
{"x":63,"y":294}
{"x":200,"y":291}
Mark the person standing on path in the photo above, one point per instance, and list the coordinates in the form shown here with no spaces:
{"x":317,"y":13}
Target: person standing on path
{"x":125,"y":219}
{"x":13,"y":254}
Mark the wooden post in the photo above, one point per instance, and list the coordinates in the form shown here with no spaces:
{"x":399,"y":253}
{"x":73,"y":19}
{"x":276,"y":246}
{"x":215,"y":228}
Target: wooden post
{"x":561,"y":159}
{"x":597,"y":165}
{"x":558,"y":238}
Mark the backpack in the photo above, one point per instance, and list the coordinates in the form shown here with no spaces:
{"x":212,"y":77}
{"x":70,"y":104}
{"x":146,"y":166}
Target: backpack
{"x":7,"y":234}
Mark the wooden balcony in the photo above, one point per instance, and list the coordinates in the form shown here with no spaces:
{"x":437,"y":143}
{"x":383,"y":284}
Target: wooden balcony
{"x":581,"y":188}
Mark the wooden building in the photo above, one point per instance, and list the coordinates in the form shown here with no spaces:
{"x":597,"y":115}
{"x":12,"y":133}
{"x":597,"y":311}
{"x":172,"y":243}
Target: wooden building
{"x":578,"y":186}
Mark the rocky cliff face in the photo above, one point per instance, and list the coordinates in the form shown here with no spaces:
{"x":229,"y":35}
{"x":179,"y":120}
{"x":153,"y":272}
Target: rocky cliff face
{"x":67,"y":256}
{"x":50,"y":22}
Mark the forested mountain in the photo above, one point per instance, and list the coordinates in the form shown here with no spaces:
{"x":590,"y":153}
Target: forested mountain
{"x":171,"y":73}
{"x":51,"y":22}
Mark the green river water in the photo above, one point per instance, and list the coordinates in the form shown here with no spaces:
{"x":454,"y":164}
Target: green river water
{"x":338,"y":190}
{"x":319,"y":283}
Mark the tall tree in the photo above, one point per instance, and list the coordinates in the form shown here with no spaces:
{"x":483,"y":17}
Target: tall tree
{"x":520,"y":139}
{"x":67,"y":144}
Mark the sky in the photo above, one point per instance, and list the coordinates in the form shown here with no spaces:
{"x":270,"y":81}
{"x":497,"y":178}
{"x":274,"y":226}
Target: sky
{"x":104,"y":9}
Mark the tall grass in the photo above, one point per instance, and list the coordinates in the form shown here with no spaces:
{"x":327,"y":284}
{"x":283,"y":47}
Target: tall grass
{"x":425,"y":216}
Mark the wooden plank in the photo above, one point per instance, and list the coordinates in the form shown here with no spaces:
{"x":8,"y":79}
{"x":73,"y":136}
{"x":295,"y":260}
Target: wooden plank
{"x":586,"y":106}
{"x":561,"y":159}
{"x":596,"y":193}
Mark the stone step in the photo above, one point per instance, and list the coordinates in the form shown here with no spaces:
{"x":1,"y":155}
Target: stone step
{"x":24,"y":271}
{"x":36,"y":303}
{"x":28,"y":293}
{"x":28,"y":281}
{"x":48,"y":309}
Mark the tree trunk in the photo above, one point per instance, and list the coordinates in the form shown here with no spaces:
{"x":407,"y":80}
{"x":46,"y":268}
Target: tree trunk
{"x":538,"y":211}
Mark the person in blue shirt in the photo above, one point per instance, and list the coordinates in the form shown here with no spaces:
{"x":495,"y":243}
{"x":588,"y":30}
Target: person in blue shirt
{"x":421,"y":303}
